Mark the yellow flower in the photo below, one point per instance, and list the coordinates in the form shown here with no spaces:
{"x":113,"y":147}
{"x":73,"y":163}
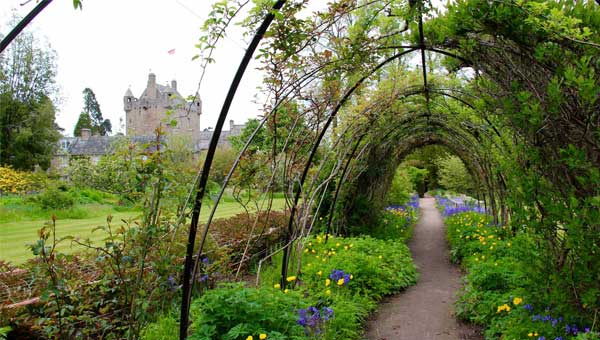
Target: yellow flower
{"x":249,"y":337}
{"x":508,"y":244}
{"x":530,"y":334}
{"x":517,"y":301}
{"x":351,"y":276}
{"x":350,"y":245}
{"x":345,"y":247}
{"x":380,"y":257}
{"x":277,"y":286}
{"x":320,"y":272}
{"x":263,"y":336}
{"x":285,"y":291}
{"x":313,"y":251}
{"x":291,"y":278}
{"x":327,"y":282}
{"x":337,"y":244}
{"x":504,"y":307}
{"x":306,"y":250}
{"x":340,"y":282}
{"x":328,"y":292}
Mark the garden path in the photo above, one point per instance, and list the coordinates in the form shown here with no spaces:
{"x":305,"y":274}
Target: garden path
{"x":424,"y":311}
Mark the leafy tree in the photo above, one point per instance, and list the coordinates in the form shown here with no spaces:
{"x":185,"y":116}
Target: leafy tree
{"x":84,"y":122}
{"x":453,"y":175}
{"x":28,"y":132}
{"x":402,"y":187}
{"x":91,"y":116}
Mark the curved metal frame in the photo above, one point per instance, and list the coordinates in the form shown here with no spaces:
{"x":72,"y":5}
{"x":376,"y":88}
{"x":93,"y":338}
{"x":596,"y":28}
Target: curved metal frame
{"x":189,"y":262}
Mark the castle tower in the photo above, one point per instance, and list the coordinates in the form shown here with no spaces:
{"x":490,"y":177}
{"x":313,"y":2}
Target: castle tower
{"x":159,"y":105}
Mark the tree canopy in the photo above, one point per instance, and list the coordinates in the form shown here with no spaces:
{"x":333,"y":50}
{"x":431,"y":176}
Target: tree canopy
{"x":28,"y":133}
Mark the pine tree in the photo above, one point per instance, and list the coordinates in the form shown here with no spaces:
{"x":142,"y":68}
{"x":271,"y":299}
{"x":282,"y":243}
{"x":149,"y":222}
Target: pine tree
{"x":91,"y":107}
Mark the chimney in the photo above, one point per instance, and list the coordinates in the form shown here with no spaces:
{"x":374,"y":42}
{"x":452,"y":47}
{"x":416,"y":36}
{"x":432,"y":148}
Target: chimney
{"x":231,"y":124}
{"x":174,"y":84}
{"x":151,"y":80}
{"x":85,"y":134}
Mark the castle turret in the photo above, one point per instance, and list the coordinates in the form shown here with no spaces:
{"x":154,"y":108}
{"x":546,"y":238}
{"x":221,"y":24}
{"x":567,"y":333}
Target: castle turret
{"x":198,"y":104}
{"x":128,"y":100}
{"x":151,"y":80}
{"x":174,"y":85}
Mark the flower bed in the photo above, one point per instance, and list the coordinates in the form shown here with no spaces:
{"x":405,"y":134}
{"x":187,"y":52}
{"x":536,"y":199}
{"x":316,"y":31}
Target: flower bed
{"x":501,"y":292}
{"x":340,"y":282}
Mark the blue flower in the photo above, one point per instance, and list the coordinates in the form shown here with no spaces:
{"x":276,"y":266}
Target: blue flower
{"x":528,"y":307}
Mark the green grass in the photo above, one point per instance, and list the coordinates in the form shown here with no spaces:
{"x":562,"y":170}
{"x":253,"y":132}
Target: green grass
{"x":15,"y":236}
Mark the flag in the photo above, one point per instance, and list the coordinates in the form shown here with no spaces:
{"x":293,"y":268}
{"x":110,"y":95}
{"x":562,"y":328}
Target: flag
{"x":171,"y":51}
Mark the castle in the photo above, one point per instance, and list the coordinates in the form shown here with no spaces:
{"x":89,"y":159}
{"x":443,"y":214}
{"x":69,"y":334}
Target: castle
{"x":161,"y":105}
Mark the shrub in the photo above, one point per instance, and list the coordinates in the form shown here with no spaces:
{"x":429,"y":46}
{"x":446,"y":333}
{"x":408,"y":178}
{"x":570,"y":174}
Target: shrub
{"x":235,"y":312}
{"x":53,"y":198}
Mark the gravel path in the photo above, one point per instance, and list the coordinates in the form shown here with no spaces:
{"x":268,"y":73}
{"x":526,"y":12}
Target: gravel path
{"x":424,"y":311}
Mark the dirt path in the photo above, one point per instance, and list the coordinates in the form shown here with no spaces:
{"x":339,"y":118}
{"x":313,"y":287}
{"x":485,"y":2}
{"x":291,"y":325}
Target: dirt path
{"x":424,"y":311}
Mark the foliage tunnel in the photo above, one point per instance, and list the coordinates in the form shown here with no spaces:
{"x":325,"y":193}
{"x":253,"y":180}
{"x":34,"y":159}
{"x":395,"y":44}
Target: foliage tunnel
{"x":511,"y":87}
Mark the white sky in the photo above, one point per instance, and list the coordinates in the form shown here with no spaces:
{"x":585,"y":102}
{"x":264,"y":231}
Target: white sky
{"x":113,"y":44}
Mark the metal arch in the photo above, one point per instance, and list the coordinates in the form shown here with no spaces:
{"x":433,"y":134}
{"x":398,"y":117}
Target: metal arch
{"x":316,"y":145}
{"x":22,"y":24}
{"x":291,"y":88}
{"x":187,"y":271}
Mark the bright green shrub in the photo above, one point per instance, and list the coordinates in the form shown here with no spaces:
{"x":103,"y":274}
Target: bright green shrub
{"x":165,"y":328}
{"x":234,"y":312}
{"x":53,"y":198}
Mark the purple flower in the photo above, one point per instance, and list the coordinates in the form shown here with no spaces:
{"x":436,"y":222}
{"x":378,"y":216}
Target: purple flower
{"x":528,"y":307}
{"x":172,"y":284}
{"x":312,"y":319}
{"x":542,"y":338}
{"x":327,"y":313}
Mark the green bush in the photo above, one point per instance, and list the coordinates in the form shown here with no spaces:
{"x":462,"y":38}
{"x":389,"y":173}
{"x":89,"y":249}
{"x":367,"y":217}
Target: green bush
{"x":502,"y":291}
{"x":53,"y":198}
{"x":233,"y":312}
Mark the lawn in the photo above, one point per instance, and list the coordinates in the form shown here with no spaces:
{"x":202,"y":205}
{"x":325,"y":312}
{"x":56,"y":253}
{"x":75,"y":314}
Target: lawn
{"x":15,"y":236}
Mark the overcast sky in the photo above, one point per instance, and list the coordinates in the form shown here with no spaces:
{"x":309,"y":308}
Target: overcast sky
{"x":113,"y":44}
